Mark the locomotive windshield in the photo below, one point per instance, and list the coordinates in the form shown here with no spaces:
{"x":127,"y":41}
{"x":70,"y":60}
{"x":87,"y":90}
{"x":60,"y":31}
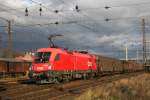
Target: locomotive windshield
{"x":42,"y":57}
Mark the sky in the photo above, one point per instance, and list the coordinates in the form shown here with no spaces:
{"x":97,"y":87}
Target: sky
{"x":86,"y":29}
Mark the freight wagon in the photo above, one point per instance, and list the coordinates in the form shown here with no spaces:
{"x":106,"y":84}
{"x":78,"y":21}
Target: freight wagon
{"x":107,"y":65}
{"x":12,"y":67}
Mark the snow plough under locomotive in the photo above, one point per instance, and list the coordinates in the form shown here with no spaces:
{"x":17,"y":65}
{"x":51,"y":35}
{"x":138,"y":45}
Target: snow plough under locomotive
{"x":52,"y":65}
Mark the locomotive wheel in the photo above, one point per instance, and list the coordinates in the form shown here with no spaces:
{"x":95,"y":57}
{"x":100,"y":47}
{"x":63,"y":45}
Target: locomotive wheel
{"x":66,"y":78}
{"x":59,"y":78}
{"x":56,"y":80}
{"x":85,"y":76}
{"x":91,"y":75}
{"x":30,"y":74}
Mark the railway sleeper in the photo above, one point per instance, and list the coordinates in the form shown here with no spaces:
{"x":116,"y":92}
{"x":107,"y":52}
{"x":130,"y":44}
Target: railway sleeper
{"x":5,"y":98}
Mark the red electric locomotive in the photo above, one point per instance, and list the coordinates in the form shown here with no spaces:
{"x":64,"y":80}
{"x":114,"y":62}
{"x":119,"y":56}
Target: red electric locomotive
{"x":54,"y":64}
{"x":57,"y":64}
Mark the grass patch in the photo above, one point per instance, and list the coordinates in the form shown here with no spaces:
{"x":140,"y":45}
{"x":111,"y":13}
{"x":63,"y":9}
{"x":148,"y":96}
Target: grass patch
{"x":134,"y":88}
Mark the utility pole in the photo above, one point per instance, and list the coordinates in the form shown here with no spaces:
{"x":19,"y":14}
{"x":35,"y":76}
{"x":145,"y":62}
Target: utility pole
{"x":144,"y":43}
{"x":126,"y":50}
{"x":126,"y":47}
{"x":137,"y":55}
{"x":9,"y":39}
{"x":0,"y":41}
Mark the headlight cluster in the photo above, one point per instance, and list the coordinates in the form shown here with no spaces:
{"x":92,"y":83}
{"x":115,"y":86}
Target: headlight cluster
{"x":49,"y":67}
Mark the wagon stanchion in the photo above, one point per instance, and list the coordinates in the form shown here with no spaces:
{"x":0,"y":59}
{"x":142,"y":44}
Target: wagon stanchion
{"x":3,"y":73}
{"x":26,"y":73}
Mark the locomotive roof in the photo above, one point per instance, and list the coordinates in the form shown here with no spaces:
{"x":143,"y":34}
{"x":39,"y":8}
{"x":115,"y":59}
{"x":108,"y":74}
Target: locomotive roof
{"x":50,"y":50}
{"x":60,"y":50}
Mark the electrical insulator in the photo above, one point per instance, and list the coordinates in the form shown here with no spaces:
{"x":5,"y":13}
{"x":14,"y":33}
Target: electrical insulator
{"x":56,"y":23}
{"x":40,"y":10}
{"x":107,"y":7}
{"x":56,"y":11}
{"x":26,"y":12}
{"x":77,"y":8}
{"x":107,"y":19}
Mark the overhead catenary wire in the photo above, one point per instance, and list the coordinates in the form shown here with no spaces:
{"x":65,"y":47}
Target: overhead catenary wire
{"x":66,"y":22}
{"x":117,"y":6}
{"x":3,"y":18}
{"x":102,"y":7}
{"x":57,"y":10}
{"x":17,"y":10}
{"x":107,"y":19}
{"x":45,"y":24}
{"x":111,"y":19}
{"x":20,"y":8}
{"x":55,"y":23}
{"x":132,"y":5}
{"x":85,"y":26}
{"x":69,"y":22}
{"x":126,"y":18}
{"x":3,"y":26}
{"x":41,"y":4}
{"x":9,"y":9}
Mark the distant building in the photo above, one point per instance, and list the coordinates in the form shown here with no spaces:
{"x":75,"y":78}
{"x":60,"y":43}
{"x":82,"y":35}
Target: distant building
{"x":27,"y":57}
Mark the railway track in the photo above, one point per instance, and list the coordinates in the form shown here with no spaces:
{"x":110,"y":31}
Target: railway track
{"x":58,"y":91}
{"x":73,"y":91}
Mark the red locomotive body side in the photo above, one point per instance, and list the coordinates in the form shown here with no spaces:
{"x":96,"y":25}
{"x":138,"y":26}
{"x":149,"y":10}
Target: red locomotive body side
{"x":62,"y":60}
{"x":74,"y":61}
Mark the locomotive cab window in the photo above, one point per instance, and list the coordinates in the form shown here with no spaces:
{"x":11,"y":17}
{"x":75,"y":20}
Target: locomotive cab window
{"x":57,"y":58}
{"x":42,"y":57}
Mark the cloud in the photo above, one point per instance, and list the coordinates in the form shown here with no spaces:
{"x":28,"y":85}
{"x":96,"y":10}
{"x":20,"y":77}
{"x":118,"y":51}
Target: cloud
{"x":90,"y":31}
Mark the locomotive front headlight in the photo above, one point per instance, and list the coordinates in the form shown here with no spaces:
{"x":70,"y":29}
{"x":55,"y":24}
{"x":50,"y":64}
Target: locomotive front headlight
{"x":49,"y":67}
